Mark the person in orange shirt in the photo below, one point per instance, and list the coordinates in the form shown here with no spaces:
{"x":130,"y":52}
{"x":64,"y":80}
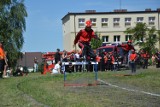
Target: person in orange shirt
{"x":3,"y":62}
{"x":98,"y":59}
{"x":133,"y":57}
{"x":110,"y":61}
{"x":145,"y":57}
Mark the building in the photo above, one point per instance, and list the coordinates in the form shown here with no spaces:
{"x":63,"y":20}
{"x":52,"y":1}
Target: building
{"x":110,"y":25}
{"x":27,"y":59}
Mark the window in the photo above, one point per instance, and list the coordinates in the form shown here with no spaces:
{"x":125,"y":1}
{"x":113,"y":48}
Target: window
{"x":139,"y":19}
{"x":127,"y":21}
{"x":105,"y":38}
{"x":128,"y":37}
{"x":104,"y":22}
{"x":151,"y":21}
{"x":141,"y":39}
{"x":116,"y":22}
{"x":93,"y":20}
{"x":81,"y":22}
{"x":116,"y":38}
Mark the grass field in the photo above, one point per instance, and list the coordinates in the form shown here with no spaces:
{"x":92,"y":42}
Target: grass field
{"x":114,"y":89}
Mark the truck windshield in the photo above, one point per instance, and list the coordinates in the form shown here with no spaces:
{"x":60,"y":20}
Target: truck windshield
{"x":107,"y":50}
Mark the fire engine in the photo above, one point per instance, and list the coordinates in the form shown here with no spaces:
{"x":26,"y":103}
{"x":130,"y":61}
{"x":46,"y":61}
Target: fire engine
{"x":114,"y":50}
{"x":49,"y":61}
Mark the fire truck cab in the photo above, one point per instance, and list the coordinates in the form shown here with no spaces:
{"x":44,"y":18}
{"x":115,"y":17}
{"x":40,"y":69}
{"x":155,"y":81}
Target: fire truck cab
{"x":114,"y":50}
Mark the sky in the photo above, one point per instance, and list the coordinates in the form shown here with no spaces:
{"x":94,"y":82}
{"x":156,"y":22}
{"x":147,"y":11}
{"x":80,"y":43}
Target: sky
{"x":44,"y":25}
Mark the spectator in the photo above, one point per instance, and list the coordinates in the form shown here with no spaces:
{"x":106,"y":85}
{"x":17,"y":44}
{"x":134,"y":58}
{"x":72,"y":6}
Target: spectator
{"x":5,"y":66}
{"x":133,"y":58}
{"x":57,"y":56}
{"x":98,"y":59}
{"x":3,"y":61}
{"x":157,"y":57}
{"x":77,"y":59}
{"x":145,"y":57}
{"x":57,"y":68}
{"x":35,"y":64}
{"x":110,"y":61}
{"x":9,"y":72}
{"x":153,"y":60}
{"x":19,"y":71}
{"x":126,"y":50}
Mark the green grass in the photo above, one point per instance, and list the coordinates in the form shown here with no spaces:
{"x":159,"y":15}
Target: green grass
{"x":36,"y":90}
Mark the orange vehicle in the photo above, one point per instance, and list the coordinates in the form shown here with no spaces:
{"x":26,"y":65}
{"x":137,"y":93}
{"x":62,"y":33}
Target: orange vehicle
{"x":48,"y":59}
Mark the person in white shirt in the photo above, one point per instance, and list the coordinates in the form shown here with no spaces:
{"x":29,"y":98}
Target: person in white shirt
{"x":57,"y":68}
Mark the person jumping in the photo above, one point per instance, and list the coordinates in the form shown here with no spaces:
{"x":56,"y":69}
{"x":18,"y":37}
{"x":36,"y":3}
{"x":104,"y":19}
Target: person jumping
{"x":83,"y":39}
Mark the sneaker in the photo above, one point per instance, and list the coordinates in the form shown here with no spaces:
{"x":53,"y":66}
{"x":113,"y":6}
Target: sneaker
{"x":5,"y":76}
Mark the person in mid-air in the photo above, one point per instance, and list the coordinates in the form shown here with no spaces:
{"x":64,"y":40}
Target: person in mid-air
{"x":83,"y":39}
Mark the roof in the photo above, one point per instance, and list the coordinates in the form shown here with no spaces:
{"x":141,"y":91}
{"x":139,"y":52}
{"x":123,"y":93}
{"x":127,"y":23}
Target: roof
{"x":123,"y":12}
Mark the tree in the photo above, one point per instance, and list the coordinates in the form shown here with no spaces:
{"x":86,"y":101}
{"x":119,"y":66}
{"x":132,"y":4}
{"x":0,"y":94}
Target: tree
{"x":143,"y":36}
{"x":96,"y":43}
{"x":158,"y":32}
{"x":12,"y":26}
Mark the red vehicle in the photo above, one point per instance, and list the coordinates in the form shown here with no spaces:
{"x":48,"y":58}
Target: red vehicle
{"x":113,"y":49}
{"x":49,"y":61}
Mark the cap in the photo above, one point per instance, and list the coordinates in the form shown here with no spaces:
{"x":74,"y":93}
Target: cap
{"x":129,"y":41}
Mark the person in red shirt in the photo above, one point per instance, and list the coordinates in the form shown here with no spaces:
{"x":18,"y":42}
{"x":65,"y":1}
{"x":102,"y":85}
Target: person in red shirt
{"x":83,"y":39}
{"x":145,"y":56}
{"x":133,"y":57}
{"x":126,"y":49}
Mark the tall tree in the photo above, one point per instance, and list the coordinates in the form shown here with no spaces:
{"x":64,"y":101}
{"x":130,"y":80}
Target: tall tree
{"x":12,"y":26}
{"x":143,"y":36}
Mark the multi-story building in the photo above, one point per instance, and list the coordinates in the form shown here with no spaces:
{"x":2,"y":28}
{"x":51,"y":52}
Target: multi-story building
{"x":110,"y":25}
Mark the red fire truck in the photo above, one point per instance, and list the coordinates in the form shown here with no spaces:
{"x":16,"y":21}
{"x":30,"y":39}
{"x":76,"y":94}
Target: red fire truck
{"x":49,"y":61}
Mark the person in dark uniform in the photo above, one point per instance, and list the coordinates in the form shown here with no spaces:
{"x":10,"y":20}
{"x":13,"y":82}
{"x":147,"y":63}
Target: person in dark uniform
{"x":57,"y":56}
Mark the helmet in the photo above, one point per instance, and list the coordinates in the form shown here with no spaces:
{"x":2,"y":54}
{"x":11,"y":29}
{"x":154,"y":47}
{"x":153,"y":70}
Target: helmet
{"x":88,"y":23}
{"x":129,"y":41}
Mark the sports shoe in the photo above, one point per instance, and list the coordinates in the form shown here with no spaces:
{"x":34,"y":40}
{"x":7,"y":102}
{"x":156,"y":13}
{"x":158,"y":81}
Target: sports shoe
{"x":5,"y":76}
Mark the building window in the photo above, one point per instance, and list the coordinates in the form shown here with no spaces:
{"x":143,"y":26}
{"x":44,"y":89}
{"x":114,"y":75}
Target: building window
{"x":139,"y":19}
{"x":93,"y":20}
{"x":104,"y":22}
{"x":127,"y":21}
{"x":128,"y":37}
{"x":81,"y":22}
{"x":151,"y":21}
{"x":116,"y":22}
{"x":116,"y":38}
{"x":105,"y":39}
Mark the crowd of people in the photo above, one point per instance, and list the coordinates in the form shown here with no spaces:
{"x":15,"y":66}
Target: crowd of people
{"x":109,"y":61}
{"x":106,"y":60}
